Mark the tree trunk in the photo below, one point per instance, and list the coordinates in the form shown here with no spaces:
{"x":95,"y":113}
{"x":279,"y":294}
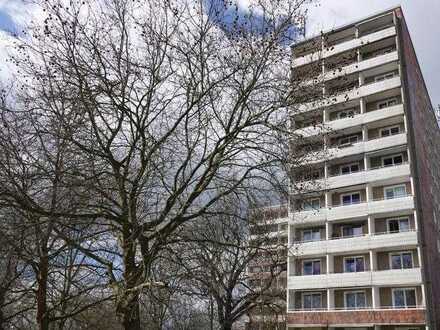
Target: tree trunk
{"x":2,"y":317}
{"x":128,"y":308}
{"x":227,"y":326}
{"x":42,"y":278}
{"x":131,"y":319}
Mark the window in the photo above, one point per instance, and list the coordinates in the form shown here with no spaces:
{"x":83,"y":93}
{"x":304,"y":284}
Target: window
{"x":312,"y":267}
{"x":351,"y":231}
{"x":398,"y":225}
{"x":401,"y":260}
{"x":312,"y":300}
{"x":312,"y":204}
{"x":355,"y":300}
{"x":395,"y":192}
{"x":346,"y":114}
{"x":389,"y":131}
{"x":404,"y":298}
{"x":347,"y":140}
{"x":386,"y":103}
{"x":312,"y":175}
{"x":354,"y":264}
{"x":392,"y":160}
{"x":352,"y":198}
{"x":350,"y":168}
{"x":384,"y":76}
{"x":311,"y":235}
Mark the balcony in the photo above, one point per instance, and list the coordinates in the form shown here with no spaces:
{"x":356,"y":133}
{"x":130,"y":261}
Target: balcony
{"x":359,"y":243}
{"x":368,"y":146}
{"x":363,"y":91}
{"x":343,"y":318}
{"x":364,"y":209}
{"x":362,"y":177}
{"x":356,"y":120}
{"x":356,"y":67}
{"x":371,"y":175}
{"x":355,"y":149}
{"x":345,"y":46}
{"x":404,"y":277}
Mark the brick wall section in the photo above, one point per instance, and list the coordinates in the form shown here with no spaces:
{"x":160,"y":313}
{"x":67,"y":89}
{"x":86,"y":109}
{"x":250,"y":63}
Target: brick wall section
{"x":410,"y":316}
{"x":424,"y":137}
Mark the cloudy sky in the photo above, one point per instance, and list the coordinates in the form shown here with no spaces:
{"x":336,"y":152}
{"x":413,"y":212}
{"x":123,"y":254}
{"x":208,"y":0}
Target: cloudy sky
{"x":422,"y":17}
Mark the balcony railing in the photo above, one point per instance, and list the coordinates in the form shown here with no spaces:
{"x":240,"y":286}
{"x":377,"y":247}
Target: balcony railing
{"x":335,"y":309}
{"x":354,"y":236}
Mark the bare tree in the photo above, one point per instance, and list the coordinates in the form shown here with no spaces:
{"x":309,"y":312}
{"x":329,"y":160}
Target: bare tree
{"x":215,"y":256}
{"x":148,"y":114}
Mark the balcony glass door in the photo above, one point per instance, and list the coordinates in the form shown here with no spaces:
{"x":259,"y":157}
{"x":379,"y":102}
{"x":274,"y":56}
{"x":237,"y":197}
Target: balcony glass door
{"x":402,"y":260}
{"x":312,"y":267}
{"x":404,"y":298}
{"x":392,"y":160}
{"x":395,"y":192}
{"x":350,"y":168}
{"x":311,"y":235}
{"x":312,"y":301}
{"x":351,"y":231}
{"x":349,"y":199}
{"x":355,"y":300}
{"x":398,"y":225}
{"x":354,"y":264}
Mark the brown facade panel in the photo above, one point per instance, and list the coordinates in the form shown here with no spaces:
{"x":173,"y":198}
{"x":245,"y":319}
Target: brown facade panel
{"x":424,"y":136}
{"x":409,"y":316}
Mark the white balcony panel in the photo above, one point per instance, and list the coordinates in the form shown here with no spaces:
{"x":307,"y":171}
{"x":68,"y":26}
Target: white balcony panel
{"x":366,"y":118}
{"x":368,"y":146}
{"x":391,"y":205}
{"x":370,"y":208}
{"x":405,"y":240}
{"x":344,"y":280}
{"x":362,"y":91}
{"x":352,"y":211}
{"x":308,"y":216}
{"x":348,"y":212}
{"x":355,"y":149}
{"x":358,"y":120}
{"x":373,"y":175}
{"x":397,"y":277}
{"x":368,"y":176}
{"x":345,"y":46}
{"x":361,"y":66}
{"x":356,"y":67}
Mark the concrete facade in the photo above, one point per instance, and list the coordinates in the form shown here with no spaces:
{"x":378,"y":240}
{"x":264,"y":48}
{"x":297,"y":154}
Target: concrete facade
{"x":363,"y":242}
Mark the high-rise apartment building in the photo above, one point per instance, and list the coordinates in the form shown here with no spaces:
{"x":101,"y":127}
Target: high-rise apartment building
{"x":364,"y":243}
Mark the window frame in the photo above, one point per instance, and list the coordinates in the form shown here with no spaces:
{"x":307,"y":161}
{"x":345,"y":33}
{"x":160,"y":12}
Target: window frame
{"x":347,"y":115}
{"x":398,"y":219}
{"x":310,"y":230}
{"x":393,"y":187}
{"x":349,"y":142}
{"x":383,"y":76}
{"x":400,"y":253}
{"x":354,"y":258}
{"x":351,"y":226}
{"x":389,"y":128}
{"x":403,"y":289}
{"x":346,"y":293}
{"x":392,"y":157}
{"x":351,"y":194}
{"x":386,"y":101}
{"x":303,"y":294}
{"x":312,"y":261}
{"x":309,"y":202}
{"x":349,"y":165}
